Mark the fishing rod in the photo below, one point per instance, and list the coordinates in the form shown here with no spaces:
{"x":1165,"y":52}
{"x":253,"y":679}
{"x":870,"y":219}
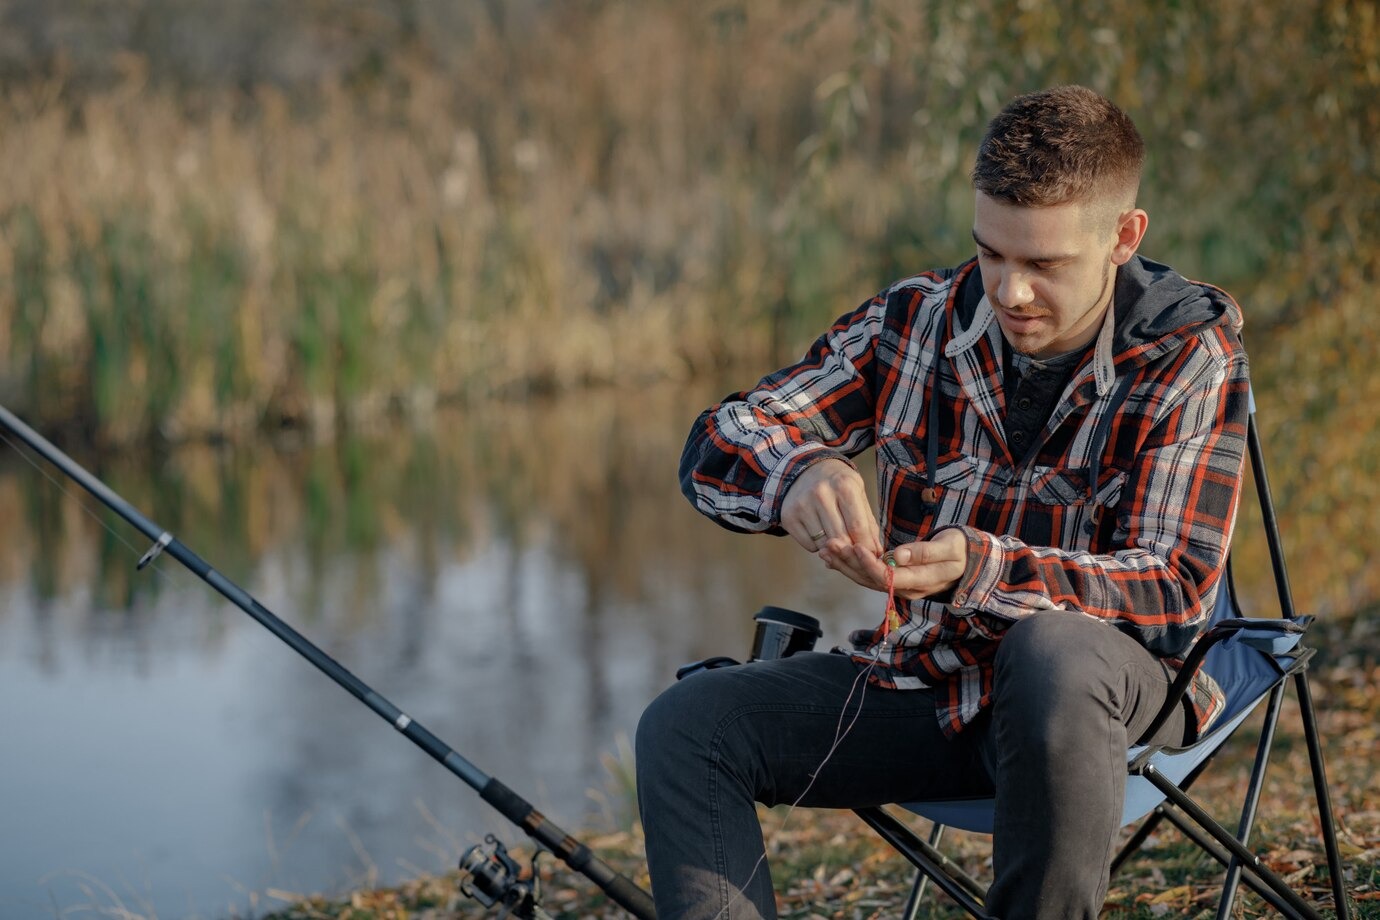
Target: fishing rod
{"x":494,"y":876}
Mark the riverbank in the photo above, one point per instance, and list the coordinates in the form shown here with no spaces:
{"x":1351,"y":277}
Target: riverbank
{"x":828,"y":865}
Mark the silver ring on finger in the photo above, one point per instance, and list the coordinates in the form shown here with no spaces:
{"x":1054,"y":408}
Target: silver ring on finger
{"x":816,"y":537}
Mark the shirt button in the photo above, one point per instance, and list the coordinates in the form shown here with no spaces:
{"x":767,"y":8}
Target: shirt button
{"x":960,"y":599}
{"x":1018,"y":437}
{"x":1023,"y":402}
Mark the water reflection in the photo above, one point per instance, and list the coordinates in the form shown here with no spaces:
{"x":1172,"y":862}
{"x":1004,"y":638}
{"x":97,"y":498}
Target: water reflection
{"x":521,"y":579}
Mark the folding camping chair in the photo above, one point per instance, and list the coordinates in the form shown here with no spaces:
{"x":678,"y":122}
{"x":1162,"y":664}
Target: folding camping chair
{"x":1252,"y":659}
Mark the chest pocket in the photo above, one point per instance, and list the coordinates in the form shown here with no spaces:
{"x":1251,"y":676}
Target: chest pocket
{"x":911,"y":499}
{"x":1064,"y":511}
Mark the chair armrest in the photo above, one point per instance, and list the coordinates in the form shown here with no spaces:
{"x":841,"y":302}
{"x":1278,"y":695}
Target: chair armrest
{"x":1271,"y":635}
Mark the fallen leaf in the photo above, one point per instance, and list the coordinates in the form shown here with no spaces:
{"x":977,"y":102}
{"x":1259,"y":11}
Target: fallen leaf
{"x":1171,"y":895}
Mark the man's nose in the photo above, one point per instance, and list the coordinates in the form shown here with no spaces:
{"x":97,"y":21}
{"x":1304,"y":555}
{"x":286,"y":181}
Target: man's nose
{"x":1013,"y":290}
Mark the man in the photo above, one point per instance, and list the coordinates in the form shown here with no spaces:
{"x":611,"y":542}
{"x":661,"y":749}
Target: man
{"x":1060,"y":428}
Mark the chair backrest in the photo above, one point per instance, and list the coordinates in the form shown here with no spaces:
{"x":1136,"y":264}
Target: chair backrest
{"x":1241,"y":670}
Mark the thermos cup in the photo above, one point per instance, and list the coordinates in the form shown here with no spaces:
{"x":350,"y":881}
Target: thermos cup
{"x":781,"y":633}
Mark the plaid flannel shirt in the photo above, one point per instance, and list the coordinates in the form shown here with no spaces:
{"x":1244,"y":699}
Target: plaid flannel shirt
{"x":1161,"y":399}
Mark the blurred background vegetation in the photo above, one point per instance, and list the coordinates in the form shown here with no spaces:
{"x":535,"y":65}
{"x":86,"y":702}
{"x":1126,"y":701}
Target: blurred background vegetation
{"x":218,"y":219}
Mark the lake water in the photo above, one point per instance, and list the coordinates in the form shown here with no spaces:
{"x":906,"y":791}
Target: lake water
{"x":522,"y":580}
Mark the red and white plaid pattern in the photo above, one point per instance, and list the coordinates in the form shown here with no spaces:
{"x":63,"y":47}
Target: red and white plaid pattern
{"x":1143,"y":549}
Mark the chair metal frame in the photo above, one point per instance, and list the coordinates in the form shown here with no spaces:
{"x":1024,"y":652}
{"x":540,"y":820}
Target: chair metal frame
{"x":1230,"y":849}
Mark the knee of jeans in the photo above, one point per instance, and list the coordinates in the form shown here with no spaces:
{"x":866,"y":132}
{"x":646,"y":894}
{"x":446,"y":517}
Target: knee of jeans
{"x":1051,"y":657}
{"x":678,"y":723}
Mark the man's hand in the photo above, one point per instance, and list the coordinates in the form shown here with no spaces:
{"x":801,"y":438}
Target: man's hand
{"x":827,"y":506}
{"x":923,"y":569}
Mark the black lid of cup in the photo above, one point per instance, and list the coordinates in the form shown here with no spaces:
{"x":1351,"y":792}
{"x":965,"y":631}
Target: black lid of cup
{"x":791,"y":618}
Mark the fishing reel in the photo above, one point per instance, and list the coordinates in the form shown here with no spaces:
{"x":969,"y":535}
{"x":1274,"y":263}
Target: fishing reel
{"x":491,"y":877}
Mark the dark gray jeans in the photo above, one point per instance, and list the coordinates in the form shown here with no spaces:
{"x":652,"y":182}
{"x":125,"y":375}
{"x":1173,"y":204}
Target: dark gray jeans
{"x":1071,"y":694}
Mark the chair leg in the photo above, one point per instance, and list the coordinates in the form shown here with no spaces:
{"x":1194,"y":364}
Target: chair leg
{"x":947,"y":874}
{"x":1252,"y":802}
{"x":917,"y":891}
{"x":1219,"y":853}
{"x":1320,"y":790}
{"x":1195,"y":813}
{"x":1310,"y":727}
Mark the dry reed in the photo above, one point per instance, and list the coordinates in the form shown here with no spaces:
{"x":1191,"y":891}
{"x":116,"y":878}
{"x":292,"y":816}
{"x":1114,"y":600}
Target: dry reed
{"x":619,"y":193}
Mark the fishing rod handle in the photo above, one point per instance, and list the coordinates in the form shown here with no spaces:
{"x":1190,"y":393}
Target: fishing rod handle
{"x":571,"y":851}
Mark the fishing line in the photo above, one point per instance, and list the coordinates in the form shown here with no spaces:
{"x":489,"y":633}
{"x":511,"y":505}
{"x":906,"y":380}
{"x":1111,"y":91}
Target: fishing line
{"x":90,"y":512}
{"x":890,"y":623}
{"x":839,"y":734}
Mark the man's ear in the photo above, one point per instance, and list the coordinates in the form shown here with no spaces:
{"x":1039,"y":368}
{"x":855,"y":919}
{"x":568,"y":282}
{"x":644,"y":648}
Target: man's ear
{"x":1130,"y":230}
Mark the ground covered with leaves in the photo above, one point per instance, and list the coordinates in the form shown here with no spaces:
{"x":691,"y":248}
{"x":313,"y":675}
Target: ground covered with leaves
{"x":829,"y":865}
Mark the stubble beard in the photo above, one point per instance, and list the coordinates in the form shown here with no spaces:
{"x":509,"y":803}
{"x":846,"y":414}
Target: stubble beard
{"x":1034,"y":343}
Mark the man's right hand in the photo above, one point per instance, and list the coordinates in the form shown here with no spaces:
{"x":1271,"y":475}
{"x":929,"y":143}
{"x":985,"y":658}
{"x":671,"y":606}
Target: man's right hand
{"x":827,"y":504}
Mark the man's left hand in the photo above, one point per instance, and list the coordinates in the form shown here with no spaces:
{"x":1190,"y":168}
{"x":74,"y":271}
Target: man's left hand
{"x":924,"y":569}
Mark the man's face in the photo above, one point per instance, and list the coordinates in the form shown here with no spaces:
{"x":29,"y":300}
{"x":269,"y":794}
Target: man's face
{"x":1047,"y":271}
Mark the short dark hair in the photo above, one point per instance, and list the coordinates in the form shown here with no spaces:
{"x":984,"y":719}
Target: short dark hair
{"x":1059,"y":145}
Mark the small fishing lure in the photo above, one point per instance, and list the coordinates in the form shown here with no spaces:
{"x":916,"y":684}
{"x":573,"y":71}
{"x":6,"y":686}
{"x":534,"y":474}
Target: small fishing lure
{"x":893,"y":619}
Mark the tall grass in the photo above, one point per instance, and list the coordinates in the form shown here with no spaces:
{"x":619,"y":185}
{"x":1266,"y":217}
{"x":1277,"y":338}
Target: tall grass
{"x":621,"y":192}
